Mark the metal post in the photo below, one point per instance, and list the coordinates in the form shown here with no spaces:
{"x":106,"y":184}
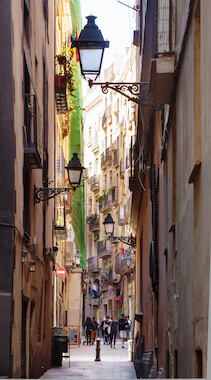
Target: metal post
{"x":98,"y":350}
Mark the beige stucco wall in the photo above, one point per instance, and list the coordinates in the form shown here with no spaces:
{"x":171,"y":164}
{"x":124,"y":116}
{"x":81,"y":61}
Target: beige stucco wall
{"x":193,"y":202}
{"x":32,"y":284}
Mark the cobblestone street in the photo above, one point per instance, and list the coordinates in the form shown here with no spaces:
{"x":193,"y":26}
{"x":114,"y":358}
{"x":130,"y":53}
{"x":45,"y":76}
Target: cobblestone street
{"x":114,"y":364}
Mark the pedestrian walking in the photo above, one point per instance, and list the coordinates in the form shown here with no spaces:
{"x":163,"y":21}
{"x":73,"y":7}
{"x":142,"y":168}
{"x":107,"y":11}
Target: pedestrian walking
{"x":107,"y":328}
{"x":102,"y":328}
{"x":94,"y":329}
{"x":88,"y":326}
{"x":122,"y":329}
{"x":114,"y":328}
{"x":129,"y":323}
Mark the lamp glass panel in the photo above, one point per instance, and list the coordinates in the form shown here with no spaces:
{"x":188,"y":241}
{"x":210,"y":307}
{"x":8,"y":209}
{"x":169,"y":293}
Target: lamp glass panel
{"x":77,"y":260}
{"x":91,"y":60}
{"x":128,"y":261}
{"x":74,"y":176}
{"x":109,"y":228}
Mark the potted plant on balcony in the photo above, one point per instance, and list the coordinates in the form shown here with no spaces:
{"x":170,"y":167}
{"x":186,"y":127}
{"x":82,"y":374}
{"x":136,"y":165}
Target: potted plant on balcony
{"x":60,"y":229}
{"x":65,"y":76}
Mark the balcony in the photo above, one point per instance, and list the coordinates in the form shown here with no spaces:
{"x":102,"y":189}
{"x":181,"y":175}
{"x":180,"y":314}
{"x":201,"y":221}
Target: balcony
{"x":104,"y":287}
{"x":116,"y":158}
{"x":65,"y":129}
{"x":93,"y":264}
{"x":33,"y":150}
{"x":95,"y":144}
{"x":162,"y":79}
{"x":110,"y":275}
{"x":108,"y":156}
{"x":162,"y":67}
{"x":60,"y":220}
{"x":104,"y":249}
{"x":117,"y":263}
{"x":60,"y":232}
{"x":109,"y":115}
{"x":121,"y":216}
{"x":114,"y":195}
{"x":122,"y":169}
{"x":94,"y":225}
{"x":124,"y":268}
{"x":127,"y":211}
{"x":60,"y":162}
{"x":103,"y":161}
{"x":104,"y":122}
{"x":94,"y":183}
{"x":69,"y":253}
{"x":105,"y":203}
{"x":60,"y":94}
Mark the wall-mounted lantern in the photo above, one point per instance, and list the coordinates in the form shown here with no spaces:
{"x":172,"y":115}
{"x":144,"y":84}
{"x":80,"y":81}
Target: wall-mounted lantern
{"x":24,"y":256}
{"x":32,"y":266}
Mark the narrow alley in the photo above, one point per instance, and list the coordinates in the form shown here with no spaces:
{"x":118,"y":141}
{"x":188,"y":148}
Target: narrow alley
{"x":114,"y":364}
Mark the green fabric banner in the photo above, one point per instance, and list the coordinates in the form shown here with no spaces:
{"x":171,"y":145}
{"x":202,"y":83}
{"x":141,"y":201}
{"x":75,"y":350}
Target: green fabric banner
{"x":76,"y":135}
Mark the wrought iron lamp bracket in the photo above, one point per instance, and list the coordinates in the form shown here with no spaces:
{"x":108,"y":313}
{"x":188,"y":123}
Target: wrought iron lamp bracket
{"x":46,"y":193}
{"x":139,"y":90}
{"x":129,"y":240}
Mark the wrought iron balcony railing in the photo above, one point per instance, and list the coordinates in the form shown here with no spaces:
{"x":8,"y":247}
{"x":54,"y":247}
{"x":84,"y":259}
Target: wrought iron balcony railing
{"x":116,"y":157}
{"x":33,"y":150}
{"x":104,"y":249}
{"x":60,"y":161}
{"x":105,"y":202}
{"x":122,"y":168}
{"x":94,"y":182}
{"x":93,"y":264}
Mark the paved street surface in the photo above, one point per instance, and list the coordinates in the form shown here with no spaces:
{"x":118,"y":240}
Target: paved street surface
{"x":114,"y":364}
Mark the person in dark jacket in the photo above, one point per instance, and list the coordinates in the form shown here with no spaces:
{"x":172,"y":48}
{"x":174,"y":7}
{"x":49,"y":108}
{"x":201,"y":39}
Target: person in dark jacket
{"x":88,"y":325}
{"x":102,"y":327}
{"x":94,"y":329}
{"x":122,"y":329}
{"x":114,"y":328}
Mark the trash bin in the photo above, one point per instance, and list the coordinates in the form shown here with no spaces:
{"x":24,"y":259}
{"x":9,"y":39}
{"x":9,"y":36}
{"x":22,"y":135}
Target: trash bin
{"x":59,"y":345}
{"x":130,"y":350}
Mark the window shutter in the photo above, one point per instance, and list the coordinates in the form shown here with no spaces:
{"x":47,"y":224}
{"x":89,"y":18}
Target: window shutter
{"x":153,"y":260}
{"x":155,"y":224}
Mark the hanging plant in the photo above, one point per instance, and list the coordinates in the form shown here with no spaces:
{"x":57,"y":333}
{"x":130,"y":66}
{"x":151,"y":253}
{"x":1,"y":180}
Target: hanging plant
{"x":108,"y":268}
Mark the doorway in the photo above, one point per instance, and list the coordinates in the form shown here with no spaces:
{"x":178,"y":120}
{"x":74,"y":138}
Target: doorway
{"x":23,"y":338}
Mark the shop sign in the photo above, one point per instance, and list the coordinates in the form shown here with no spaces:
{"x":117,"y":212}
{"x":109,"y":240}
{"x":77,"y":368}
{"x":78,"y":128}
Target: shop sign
{"x":112,"y":292}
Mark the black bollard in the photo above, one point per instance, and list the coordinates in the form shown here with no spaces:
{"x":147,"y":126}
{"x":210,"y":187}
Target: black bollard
{"x":98,"y":350}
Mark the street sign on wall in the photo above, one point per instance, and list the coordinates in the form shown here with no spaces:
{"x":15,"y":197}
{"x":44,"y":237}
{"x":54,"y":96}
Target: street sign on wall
{"x":61,"y":272}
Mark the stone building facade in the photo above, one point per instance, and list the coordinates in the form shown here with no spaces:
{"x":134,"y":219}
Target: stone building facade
{"x":27,"y":162}
{"x":170,"y":217}
{"x":108,"y":130}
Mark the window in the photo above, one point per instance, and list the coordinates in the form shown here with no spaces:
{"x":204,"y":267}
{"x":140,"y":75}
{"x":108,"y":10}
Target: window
{"x":198,"y":364}
{"x":96,"y":166}
{"x":26,"y":211}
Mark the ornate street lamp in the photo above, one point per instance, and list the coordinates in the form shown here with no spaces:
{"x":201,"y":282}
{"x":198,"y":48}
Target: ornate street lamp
{"x":103,"y":273}
{"x":78,"y":257}
{"x":91,"y":45}
{"x":74,"y":170}
{"x":109,"y":226}
{"x":32,"y":266}
{"x":128,"y":259}
{"x":23,"y":256}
